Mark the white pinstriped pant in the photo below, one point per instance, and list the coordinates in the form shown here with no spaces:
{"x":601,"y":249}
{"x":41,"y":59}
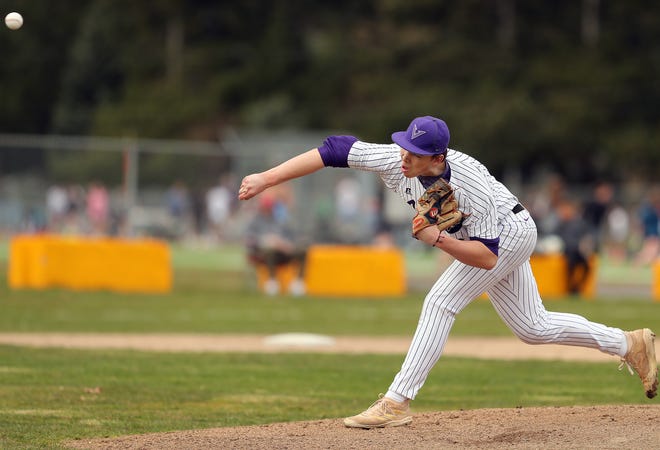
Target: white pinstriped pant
{"x":513,"y":292}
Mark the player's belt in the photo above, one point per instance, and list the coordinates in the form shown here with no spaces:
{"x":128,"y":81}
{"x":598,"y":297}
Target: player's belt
{"x":516,"y":209}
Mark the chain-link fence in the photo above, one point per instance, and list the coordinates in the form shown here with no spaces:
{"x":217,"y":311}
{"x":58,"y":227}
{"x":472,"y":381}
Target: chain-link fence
{"x":176,"y":190}
{"x":334,"y":205}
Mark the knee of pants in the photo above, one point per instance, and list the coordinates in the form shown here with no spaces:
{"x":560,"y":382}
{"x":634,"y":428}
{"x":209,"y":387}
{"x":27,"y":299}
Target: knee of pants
{"x":440,"y":306}
{"x":529,"y":339}
{"x":531,"y":336}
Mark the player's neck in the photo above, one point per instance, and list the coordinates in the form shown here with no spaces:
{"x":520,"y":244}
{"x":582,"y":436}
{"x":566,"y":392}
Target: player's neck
{"x":436,"y":169}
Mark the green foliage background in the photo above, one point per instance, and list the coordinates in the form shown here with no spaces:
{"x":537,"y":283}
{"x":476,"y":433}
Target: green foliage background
{"x":520,"y":83}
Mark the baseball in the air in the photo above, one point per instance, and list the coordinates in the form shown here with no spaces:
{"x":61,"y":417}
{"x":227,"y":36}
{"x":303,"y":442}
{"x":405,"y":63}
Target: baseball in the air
{"x":13,"y":20}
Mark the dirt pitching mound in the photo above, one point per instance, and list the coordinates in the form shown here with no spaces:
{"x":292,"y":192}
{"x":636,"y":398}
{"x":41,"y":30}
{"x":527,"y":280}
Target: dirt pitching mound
{"x":593,"y":427}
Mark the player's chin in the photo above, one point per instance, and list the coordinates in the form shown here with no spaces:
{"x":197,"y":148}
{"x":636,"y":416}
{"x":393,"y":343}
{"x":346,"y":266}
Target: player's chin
{"x":407,"y":173}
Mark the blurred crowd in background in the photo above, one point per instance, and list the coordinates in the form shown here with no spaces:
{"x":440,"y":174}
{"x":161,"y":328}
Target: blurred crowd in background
{"x":580,"y":222}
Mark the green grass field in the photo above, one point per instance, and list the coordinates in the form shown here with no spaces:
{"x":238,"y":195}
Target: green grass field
{"x":48,"y":396}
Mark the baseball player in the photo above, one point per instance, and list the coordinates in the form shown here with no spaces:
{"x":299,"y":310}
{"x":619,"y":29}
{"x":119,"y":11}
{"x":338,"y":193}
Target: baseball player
{"x":463,"y":210}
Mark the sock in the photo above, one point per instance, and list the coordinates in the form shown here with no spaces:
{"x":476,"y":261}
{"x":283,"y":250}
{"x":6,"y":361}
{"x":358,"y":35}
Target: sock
{"x":396,"y":397}
{"x":624,"y":346}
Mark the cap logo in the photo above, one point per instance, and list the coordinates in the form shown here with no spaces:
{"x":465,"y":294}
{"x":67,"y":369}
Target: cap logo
{"x":416,"y":133}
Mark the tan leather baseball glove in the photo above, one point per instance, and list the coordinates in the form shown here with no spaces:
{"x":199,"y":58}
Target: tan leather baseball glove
{"x":437,"y":207}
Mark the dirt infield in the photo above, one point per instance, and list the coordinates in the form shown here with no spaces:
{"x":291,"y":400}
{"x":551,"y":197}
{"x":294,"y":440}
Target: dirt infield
{"x":487,"y":348}
{"x":598,"y":427}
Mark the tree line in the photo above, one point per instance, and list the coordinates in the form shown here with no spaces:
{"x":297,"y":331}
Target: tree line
{"x":567,"y":85}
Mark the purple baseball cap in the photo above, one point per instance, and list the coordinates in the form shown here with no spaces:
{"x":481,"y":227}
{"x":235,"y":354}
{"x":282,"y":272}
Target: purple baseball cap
{"x":425,"y":136}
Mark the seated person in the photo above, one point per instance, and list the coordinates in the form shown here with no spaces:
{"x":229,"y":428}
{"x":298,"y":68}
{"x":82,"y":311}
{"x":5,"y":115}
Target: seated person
{"x":577,"y":245}
{"x":270,"y":240}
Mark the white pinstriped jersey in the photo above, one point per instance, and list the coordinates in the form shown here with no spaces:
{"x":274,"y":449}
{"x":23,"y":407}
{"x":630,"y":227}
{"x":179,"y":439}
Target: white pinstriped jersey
{"x":485,"y":201}
{"x":510,"y":285}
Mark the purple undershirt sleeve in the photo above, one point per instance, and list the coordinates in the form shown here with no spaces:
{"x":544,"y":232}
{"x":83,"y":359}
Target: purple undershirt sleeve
{"x":334,"y":150}
{"x":492,"y":244}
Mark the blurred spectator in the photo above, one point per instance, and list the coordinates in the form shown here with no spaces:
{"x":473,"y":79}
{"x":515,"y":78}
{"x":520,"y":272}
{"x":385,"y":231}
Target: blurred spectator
{"x":618,"y":230}
{"x":98,"y":208}
{"x":74,"y":209}
{"x":545,"y":203}
{"x":595,"y":212}
{"x":56,"y":207}
{"x":198,"y":209}
{"x":649,"y":214}
{"x":577,"y":244}
{"x":284,"y":204}
{"x":384,"y":237}
{"x":349,"y":210}
{"x":34,"y":221}
{"x":178,"y":206}
{"x":274,"y":243}
{"x":178,"y":203}
{"x":219,"y":201}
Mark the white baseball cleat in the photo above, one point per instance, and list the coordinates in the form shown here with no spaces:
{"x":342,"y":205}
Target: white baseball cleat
{"x":384,"y":412}
{"x":641,"y":358}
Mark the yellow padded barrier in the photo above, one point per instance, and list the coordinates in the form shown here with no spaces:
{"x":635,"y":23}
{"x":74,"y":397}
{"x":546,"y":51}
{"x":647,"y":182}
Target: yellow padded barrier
{"x":550,"y":274}
{"x":656,"y":281}
{"x":355,"y":271}
{"x":44,"y":261}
